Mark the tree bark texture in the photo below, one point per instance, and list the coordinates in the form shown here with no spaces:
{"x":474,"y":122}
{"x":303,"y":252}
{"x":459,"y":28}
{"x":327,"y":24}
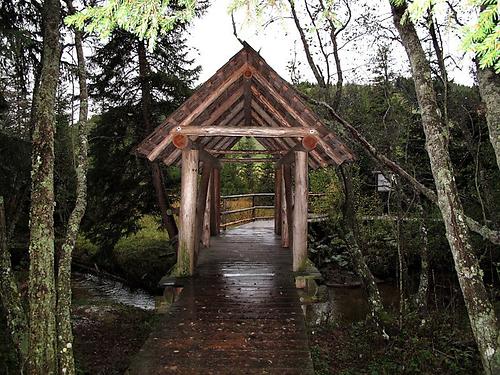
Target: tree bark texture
{"x":481,"y":314}
{"x":17,"y":323}
{"x":66,"y":362}
{"x":187,"y":215}
{"x":41,"y":285}
{"x":489,"y":88}
{"x":156,"y":175}
{"x":299,"y":222}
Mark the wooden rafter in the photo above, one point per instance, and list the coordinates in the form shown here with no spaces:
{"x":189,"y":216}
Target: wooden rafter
{"x":246,"y":97}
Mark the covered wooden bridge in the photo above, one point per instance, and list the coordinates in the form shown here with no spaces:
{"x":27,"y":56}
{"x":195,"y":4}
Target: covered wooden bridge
{"x":244,"y":98}
{"x":241,"y":313}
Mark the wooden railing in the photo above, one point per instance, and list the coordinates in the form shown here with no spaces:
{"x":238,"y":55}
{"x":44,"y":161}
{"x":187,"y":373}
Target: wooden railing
{"x":245,"y":208}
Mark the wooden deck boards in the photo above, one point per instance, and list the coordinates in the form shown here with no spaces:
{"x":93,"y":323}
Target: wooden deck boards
{"x":240,"y":315}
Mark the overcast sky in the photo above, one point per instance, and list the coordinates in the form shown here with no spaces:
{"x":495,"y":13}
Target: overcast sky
{"x":214,"y":43}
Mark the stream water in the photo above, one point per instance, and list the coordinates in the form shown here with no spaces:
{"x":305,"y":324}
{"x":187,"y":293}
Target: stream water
{"x":347,"y":305}
{"x":343,"y":305}
{"x":100,"y":289}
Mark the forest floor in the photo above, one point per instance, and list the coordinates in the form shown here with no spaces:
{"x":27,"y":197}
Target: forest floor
{"x":107,"y":335}
{"x":443,"y":344}
{"x":440,"y":341}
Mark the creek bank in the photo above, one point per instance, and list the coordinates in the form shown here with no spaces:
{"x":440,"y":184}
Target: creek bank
{"x":107,"y":336}
{"x":111,"y":322}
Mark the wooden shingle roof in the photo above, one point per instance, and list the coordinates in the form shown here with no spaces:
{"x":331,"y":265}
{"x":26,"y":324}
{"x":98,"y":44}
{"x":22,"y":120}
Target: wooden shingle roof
{"x":245,"y":92}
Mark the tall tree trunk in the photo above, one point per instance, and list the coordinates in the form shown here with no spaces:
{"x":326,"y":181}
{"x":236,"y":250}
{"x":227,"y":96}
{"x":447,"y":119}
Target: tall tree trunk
{"x":480,"y":310}
{"x":489,"y":88}
{"x":10,"y":296}
{"x":156,"y":175}
{"x":41,"y":286}
{"x":66,"y":364}
{"x":352,"y":239}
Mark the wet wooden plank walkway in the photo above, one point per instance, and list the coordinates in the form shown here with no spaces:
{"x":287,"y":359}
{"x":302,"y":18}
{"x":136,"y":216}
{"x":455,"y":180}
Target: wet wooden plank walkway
{"x":240,"y":315}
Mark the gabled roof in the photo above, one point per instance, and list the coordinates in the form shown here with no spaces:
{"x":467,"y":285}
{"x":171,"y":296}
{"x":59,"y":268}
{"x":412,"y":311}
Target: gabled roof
{"x":246,"y":91}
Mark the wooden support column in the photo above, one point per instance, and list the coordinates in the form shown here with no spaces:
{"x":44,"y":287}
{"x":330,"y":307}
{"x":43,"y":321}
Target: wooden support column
{"x":284,"y":217}
{"x":217,"y":200}
{"x":286,"y":230}
{"x":201,"y":205}
{"x":299,"y":242}
{"x":187,"y":215}
{"x":213,"y":204}
{"x":205,"y":237}
{"x":278,"y":180}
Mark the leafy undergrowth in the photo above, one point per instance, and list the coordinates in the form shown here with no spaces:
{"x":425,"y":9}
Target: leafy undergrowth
{"x":146,"y":256}
{"x":141,"y":258}
{"x":443,"y":345}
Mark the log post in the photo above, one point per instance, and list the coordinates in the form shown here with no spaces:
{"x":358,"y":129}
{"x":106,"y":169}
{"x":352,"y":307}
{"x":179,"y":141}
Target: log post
{"x":284,"y":217}
{"x":299,"y":242}
{"x":201,"y":205}
{"x":278,"y":180}
{"x":187,"y":214}
{"x":287,"y":173}
{"x":205,"y":237}
{"x":286,"y":235}
{"x":213,"y":204}
{"x":217,"y":199}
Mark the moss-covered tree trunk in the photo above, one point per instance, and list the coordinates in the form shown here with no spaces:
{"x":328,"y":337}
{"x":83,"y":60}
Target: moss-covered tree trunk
{"x":352,"y":240}
{"x":489,"y":88}
{"x":480,"y":309}
{"x":41,"y":285}
{"x":156,"y":175}
{"x":66,"y":363}
{"x":10,"y":296}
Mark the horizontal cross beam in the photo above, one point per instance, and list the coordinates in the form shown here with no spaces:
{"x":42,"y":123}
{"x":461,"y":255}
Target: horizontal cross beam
{"x":247,"y":160}
{"x":246,"y":152}
{"x":245,"y":131}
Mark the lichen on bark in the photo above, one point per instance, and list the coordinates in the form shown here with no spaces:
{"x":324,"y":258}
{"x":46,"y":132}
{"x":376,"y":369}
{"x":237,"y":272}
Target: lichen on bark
{"x":10,"y":296}
{"x":66,"y":363}
{"x":489,"y":88}
{"x":41,"y":284}
{"x":482,"y":317}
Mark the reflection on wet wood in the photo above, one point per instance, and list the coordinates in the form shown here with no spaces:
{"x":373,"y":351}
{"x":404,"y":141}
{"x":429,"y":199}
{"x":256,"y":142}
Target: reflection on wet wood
{"x":240,"y":314}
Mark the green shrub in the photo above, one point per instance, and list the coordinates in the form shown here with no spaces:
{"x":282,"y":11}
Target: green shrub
{"x":146,"y":256}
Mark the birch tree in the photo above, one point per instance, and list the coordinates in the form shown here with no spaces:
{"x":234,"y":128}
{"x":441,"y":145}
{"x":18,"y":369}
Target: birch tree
{"x":480,"y":309}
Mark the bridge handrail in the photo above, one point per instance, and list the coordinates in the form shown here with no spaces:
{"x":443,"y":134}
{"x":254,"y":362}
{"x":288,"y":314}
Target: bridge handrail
{"x":253,"y":208}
